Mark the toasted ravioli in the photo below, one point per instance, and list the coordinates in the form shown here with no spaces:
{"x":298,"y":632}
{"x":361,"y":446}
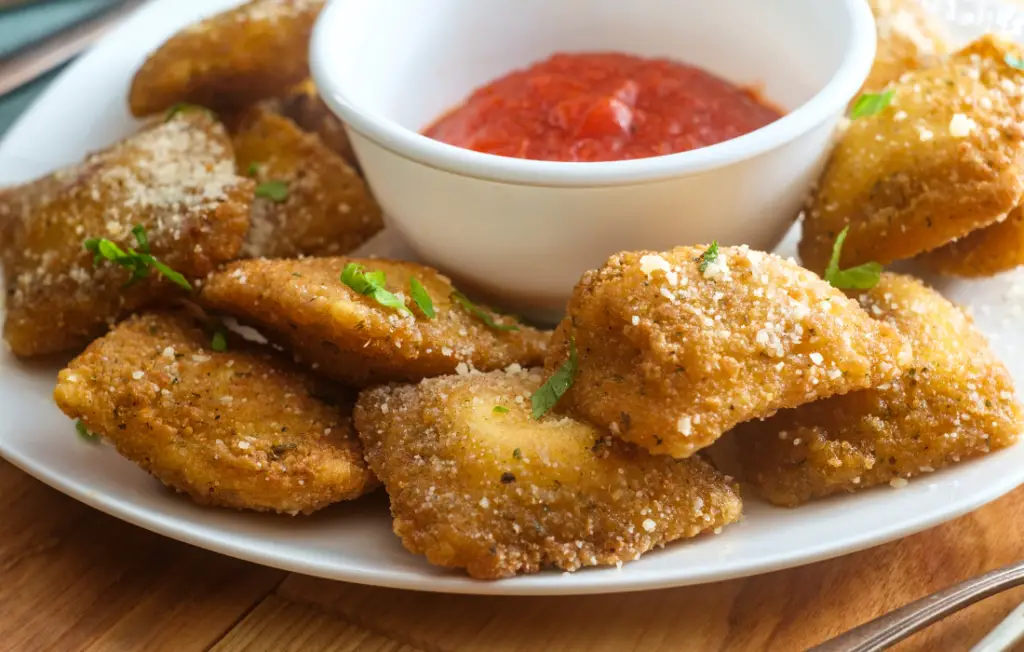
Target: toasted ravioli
{"x":176,"y":179}
{"x":956,"y":401}
{"x":239,"y":428}
{"x":308,"y":200}
{"x":354,"y":338}
{"x":670,"y":357}
{"x":307,"y":109}
{"x":908,"y":39}
{"x":943,"y":159}
{"x":985,"y":252}
{"x":476,"y":483}
{"x":229,"y":60}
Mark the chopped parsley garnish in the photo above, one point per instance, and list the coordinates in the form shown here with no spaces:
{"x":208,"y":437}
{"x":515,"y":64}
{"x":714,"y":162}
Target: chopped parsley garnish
{"x":138,"y":262}
{"x":501,"y":409}
{"x":708,"y":257}
{"x":557,"y":385}
{"x":371,"y":284}
{"x":861,"y":277}
{"x":1014,"y":61}
{"x":185,"y":107}
{"x":219,"y":343}
{"x":871,"y":104}
{"x":254,"y":169}
{"x":274,"y":190}
{"x":518,"y":454}
{"x":421,"y":298}
{"x":84,"y":433}
{"x":480,"y":313}
{"x":280,"y":449}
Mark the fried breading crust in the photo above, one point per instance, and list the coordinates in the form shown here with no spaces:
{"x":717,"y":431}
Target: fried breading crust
{"x":498,"y":493}
{"x":328,"y":209}
{"x":229,"y":60}
{"x":353,"y":338}
{"x":985,"y":252}
{"x":956,"y":401}
{"x":177,"y":179}
{"x":908,"y":39}
{"x":945,"y":158}
{"x":671,"y":357}
{"x":240,"y":429}
{"x":306,"y":108}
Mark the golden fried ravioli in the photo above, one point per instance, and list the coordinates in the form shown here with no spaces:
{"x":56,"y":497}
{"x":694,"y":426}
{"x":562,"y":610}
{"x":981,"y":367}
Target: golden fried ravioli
{"x":353,"y":337}
{"x":238,"y":428}
{"x":985,"y":252}
{"x":908,"y":39}
{"x":674,"y":350}
{"x":308,"y":200}
{"x":476,"y":483}
{"x":306,"y":108}
{"x":176,"y":179}
{"x":943,"y":159}
{"x":229,"y":60}
{"x":956,"y":401}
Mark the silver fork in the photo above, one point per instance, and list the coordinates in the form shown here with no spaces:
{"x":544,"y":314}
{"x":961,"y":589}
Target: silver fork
{"x":895,"y":626}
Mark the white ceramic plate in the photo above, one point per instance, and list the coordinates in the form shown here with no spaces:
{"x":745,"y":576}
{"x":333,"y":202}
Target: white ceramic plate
{"x":85,"y":109}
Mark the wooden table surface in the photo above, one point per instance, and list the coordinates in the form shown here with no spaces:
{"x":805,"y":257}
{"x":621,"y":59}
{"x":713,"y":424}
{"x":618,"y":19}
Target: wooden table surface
{"x":72,"y":578}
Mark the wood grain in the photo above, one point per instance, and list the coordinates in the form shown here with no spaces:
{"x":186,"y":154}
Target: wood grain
{"x":787,"y":610}
{"x":72,"y":578}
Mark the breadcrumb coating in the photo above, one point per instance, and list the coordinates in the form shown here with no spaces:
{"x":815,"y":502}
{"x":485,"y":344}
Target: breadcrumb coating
{"x":476,"y":483}
{"x":985,"y":252}
{"x":229,"y":60}
{"x":908,"y":39}
{"x":327,"y":208}
{"x":238,"y":428}
{"x":176,"y":179}
{"x":946,"y":157}
{"x":671,"y":357}
{"x":353,"y":338}
{"x":956,"y":401}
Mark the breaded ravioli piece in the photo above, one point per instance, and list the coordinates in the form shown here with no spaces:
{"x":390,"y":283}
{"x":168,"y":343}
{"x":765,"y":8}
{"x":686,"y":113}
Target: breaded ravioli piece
{"x":943,"y":159}
{"x":676,"y":348}
{"x":956,"y":401}
{"x":476,"y":483}
{"x":175,"y":179}
{"x":239,"y":428}
{"x":307,"y":109}
{"x":309,"y":201}
{"x":229,"y":60}
{"x":354,"y":338}
{"x":985,"y":252}
{"x":908,"y":39}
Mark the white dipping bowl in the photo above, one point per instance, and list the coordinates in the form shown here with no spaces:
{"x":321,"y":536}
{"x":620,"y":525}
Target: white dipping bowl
{"x":523,"y":231}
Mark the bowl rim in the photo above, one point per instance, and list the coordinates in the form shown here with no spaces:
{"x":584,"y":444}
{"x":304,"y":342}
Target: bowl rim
{"x":831,"y":100}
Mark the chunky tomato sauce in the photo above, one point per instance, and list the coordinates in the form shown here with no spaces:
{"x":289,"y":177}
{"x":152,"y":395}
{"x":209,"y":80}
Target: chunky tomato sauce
{"x":602,"y":107}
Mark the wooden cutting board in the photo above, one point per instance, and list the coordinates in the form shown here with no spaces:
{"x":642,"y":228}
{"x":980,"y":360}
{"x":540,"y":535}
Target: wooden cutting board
{"x":72,"y":578}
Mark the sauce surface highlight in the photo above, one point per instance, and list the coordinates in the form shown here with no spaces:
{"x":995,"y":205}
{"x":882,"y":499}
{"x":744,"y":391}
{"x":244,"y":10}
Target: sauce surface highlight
{"x":602,"y":107}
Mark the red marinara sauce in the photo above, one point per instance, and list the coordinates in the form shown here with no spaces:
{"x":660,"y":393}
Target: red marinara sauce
{"x":602,"y":107}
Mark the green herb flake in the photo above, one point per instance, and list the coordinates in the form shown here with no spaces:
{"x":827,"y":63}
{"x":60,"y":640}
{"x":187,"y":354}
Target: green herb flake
{"x":219,"y":343}
{"x":280,"y":449}
{"x":185,"y":107}
{"x":254,"y":169}
{"x":708,"y":257}
{"x":274,"y":190}
{"x":518,"y":454}
{"x":557,"y":385}
{"x":84,"y":433}
{"x":138,"y":262}
{"x":501,"y":409}
{"x":861,"y":277}
{"x":1014,"y":61}
{"x":481,"y":314}
{"x":371,"y":284}
{"x":871,"y":104}
{"x":421,"y":298}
